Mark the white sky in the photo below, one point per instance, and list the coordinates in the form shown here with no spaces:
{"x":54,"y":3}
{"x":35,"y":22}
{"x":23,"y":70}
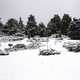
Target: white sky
{"x":42,"y":9}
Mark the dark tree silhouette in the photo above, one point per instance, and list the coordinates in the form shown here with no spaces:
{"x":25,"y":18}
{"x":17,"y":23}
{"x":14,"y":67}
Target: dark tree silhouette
{"x":11,"y":26}
{"x":65,"y":24}
{"x":74,"y":29}
{"x":1,"y":25}
{"x":54,"y":26}
{"x":21,"y":25}
{"x":41,"y":30}
{"x":31,"y":28}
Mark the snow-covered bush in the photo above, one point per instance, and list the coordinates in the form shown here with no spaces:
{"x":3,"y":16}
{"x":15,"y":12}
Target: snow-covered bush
{"x":34,"y":45}
{"x":17,"y":38}
{"x":75,"y":47}
{"x":48,"y":52}
{"x":19,"y":34}
{"x":8,"y":50}
{"x":3,"y":52}
{"x":44,"y":39}
{"x":19,"y":47}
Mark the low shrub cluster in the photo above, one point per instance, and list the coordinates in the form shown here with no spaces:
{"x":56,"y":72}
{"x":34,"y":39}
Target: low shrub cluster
{"x":48,"y":52}
{"x":74,"y":47}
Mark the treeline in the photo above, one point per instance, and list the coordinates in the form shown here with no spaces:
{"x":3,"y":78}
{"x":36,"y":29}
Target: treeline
{"x":63,"y":26}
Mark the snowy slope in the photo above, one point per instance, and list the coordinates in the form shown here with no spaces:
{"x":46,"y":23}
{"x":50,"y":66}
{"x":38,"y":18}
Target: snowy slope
{"x":27,"y":65}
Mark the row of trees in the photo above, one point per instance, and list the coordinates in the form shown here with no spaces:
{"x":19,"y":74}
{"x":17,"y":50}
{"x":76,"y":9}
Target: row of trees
{"x":57,"y":25}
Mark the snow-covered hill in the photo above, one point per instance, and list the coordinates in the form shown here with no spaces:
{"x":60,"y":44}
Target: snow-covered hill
{"x":28,"y":65}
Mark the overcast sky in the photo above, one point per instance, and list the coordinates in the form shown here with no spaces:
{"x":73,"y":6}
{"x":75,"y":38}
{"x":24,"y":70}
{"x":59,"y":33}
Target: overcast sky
{"x":42,"y":9}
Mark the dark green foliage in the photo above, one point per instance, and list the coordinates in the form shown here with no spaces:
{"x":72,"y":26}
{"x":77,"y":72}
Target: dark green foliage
{"x":5,"y":30}
{"x":21,"y":25}
{"x":1,"y":25}
{"x":54,"y":26}
{"x":65,"y":24}
{"x":31,"y":28}
{"x":11,"y":26}
{"x":74,"y":30}
{"x":41,"y":30}
{"x":57,"y":22}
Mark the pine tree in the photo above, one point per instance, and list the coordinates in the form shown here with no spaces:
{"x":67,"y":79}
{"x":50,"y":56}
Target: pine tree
{"x":41,"y":30}
{"x":21,"y":25}
{"x":65,"y":24}
{"x":54,"y":26}
{"x":11,"y":26}
{"x":31,"y":28}
{"x":1,"y":25}
{"x":74,"y":29}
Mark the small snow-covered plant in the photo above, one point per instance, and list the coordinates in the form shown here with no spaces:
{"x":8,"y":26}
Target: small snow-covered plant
{"x":74,"y":47}
{"x":48,"y":52}
{"x":10,"y":45}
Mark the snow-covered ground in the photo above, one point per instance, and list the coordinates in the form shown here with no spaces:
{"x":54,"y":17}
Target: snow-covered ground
{"x":28,"y":65}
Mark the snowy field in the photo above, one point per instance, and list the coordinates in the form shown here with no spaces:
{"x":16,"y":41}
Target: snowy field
{"x":28,"y":65}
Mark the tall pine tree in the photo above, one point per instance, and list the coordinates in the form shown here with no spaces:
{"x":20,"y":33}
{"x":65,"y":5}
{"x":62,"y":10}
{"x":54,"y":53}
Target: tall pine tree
{"x":65,"y":24}
{"x":21,"y":25}
{"x":74,"y":29}
{"x":54,"y":26}
{"x":31,"y":28}
{"x":41,"y":30}
{"x":11,"y":26}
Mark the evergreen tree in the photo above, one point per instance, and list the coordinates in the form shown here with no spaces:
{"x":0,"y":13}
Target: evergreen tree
{"x":1,"y":25}
{"x":57,"y":22}
{"x":74,"y":29}
{"x":65,"y":24}
{"x":21,"y":25}
{"x":54,"y":26}
{"x":31,"y":28}
{"x":41,"y":30}
{"x":11,"y":26}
